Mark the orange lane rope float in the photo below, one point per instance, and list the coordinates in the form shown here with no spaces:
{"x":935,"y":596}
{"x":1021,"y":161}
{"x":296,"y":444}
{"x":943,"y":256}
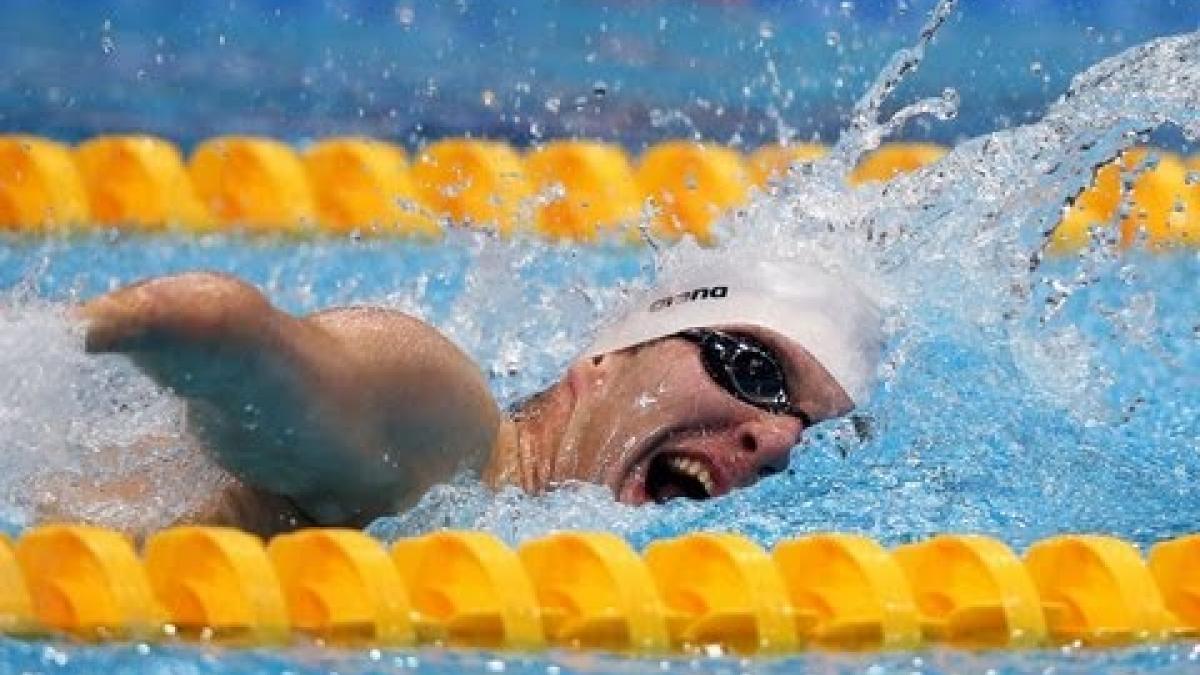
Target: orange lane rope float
{"x":577,"y":190}
{"x":702,"y":592}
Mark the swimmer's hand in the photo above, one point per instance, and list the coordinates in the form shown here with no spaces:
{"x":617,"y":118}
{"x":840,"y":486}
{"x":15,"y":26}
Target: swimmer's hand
{"x":349,"y":413}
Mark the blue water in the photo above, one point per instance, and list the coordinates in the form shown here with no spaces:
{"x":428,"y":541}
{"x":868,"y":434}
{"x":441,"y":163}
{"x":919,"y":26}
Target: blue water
{"x":959,"y":444}
{"x":1020,"y":398}
{"x":962,"y":438}
{"x":415,"y":70}
{"x":26,"y":657}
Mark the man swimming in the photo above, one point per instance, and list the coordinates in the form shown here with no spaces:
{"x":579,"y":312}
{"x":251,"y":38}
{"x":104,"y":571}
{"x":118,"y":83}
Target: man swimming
{"x":349,"y":414}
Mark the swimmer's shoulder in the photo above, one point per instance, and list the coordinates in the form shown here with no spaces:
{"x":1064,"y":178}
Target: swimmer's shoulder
{"x":393,"y":338}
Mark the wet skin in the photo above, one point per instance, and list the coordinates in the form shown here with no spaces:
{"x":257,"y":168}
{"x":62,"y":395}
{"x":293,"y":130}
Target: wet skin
{"x":349,"y":414}
{"x":650,"y":423}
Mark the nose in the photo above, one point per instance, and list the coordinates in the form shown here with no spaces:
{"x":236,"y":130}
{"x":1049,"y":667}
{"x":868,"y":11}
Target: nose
{"x":767,"y":442}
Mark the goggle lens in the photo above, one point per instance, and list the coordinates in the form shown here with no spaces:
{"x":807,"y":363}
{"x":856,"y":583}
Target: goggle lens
{"x":745,"y":368}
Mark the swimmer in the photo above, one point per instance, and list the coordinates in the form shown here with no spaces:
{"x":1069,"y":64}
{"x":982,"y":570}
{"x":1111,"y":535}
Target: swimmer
{"x":348,"y":414}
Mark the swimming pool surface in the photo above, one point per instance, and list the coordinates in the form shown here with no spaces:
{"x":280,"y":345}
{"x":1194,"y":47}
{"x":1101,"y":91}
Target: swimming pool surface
{"x":1022,"y":396}
{"x":965,"y":438}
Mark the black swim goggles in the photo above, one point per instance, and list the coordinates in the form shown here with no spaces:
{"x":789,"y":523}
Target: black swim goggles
{"x":745,"y":368}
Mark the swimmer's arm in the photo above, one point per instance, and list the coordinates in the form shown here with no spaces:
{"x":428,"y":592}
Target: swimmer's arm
{"x":349,"y":413}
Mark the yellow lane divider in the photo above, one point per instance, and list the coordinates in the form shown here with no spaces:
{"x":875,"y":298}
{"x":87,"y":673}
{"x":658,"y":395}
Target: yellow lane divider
{"x":595,"y":593}
{"x":1163,"y":206}
{"x":253,"y":184}
{"x":341,"y":586}
{"x":364,"y":185}
{"x":138,"y":182}
{"x":772,"y":162}
{"x":690,"y":185}
{"x":1097,"y":590}
{"x":972,"y":592}
{"x":585,"y":189}
{"x":477,"y":183}
{"x":16,"y":609}
{"x":469,"y":589}
{"x":698,"y":593}
{"x":576,"y":190}
{"x":88,"y":582}
{"x":217,"y":583}
{"x":1174,"y":565}
{"x":851,"y":593}
{"x":40,"y":187}
{"x":894,"y":159}
{"x":725,"y":591}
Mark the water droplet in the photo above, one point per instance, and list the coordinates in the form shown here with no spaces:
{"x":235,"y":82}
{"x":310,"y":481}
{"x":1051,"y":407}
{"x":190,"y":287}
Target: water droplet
{"x":55,"y":656}
{"x":766,"y":31}
{"x":599,"y":89}
{"x":1036,"y":67}
{"x":833,"y":38}
{"x":405,"y":15}
{"x":489,"y":97}
{"x":645,"y":400}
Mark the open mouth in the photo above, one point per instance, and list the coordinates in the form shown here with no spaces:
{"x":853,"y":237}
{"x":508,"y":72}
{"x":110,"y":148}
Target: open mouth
{"x":672,"y":475}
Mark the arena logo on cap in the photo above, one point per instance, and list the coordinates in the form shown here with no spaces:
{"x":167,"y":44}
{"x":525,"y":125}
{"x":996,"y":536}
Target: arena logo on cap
{"x":703,"y":293}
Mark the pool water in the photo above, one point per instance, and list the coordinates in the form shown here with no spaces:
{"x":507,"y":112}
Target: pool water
{"x":1022,"y":395}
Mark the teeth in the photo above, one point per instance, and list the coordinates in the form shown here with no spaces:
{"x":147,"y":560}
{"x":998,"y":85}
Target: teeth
{"x":696,"y":470}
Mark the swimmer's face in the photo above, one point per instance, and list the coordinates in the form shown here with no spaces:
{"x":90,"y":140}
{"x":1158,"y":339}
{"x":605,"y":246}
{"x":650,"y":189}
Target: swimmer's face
{"x":651,"y":423}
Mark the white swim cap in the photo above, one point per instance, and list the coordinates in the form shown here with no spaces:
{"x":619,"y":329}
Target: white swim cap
{"x":829,"y":316}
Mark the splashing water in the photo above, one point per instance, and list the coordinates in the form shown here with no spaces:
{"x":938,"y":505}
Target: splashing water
{"x":1022,"y":396}
{"x":71,"y":420}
